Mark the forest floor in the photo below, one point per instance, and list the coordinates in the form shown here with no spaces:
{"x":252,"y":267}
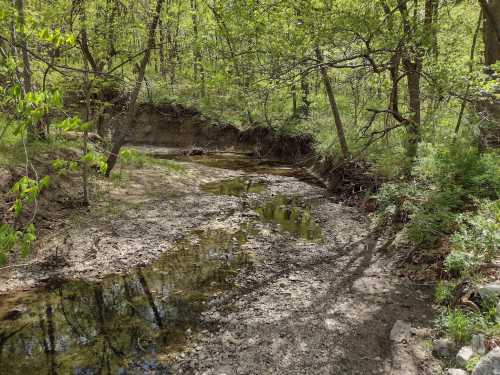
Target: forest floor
{"x":318,"y":292}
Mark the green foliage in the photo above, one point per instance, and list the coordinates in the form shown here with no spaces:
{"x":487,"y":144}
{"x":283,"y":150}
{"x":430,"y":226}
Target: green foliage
{"x":457,"y":324}
{"x":27,"y":190}
{"x":444,"y":292}
{"x":136,"y":159}
{"x":472,"y":363}
{"x":97,"y":160}
{"x":489,"y":308}
{"x":479,"y":233}
{"x":64,"y":166}
{"x":11,"y":238}
{"x":476,"y":241}
{"x":448,"y":180}
{"x":460,"y":325}
{"x":133,"y":157}
{"x":74,"y":124}
{"x":459,"y":263}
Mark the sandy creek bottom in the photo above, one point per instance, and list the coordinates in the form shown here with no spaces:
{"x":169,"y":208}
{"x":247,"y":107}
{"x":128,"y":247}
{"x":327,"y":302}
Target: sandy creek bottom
{"x":138,"y":322}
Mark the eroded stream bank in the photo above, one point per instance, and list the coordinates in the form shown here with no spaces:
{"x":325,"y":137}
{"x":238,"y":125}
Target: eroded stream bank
{"x":230,"y":267}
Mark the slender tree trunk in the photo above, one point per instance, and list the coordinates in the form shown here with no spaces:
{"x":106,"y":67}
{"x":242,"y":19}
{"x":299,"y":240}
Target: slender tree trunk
{"x":430,"y":18}
{"x":333,"y":104}
{"x":471,"y":63}
{"x":27,"y":86}
{"x":33,"y":131}
{"x":305,"y":107}
{"x":293,"y":90}
{"x":490,"y":130}
{"x":412,"y":64}
{"x":491,"y":30}
{"x":413,"y":71}
{"x":161,"y":50}
{"x":86,"y":133}
{"x":123,"y":131}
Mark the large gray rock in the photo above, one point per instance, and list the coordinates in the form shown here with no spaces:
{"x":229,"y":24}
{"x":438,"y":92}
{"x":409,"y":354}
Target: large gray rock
{"x":478,"y":344}
{"x":443,"y":348}
{"x":464,"y":355}
{"x":489,"y":364}
{"x":456,"y":371}
{"x":400,"y":332}
{"x":490,"y":290}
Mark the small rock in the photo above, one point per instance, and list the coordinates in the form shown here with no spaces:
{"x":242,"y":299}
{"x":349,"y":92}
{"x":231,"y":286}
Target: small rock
{"x":489,"y":364}
{"x":464,"y":355}
{"x":400,"y":331}
{"x":443,"y":348}
{"x":490,"y":290}
{"x":478,"y":345}
{"x":456,"y":371}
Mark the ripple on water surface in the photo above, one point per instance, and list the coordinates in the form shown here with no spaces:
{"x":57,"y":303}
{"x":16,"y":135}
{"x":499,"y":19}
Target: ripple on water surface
{"x":124,"y":323}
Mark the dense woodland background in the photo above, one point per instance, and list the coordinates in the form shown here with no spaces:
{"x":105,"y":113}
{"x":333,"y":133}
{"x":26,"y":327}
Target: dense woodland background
{"x":409,"y":87}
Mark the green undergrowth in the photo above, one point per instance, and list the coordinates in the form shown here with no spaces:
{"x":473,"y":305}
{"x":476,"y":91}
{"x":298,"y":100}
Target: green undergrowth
{"x":460,"y":322}
{"x":13,"y":150}
{"x":136,"y":159}
{"x":451,"y":203}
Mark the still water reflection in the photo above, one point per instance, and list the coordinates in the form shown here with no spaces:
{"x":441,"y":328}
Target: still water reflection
{"x":123,"y":324}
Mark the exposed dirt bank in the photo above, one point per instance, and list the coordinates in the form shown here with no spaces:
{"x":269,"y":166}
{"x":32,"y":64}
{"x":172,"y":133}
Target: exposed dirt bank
{"x":177,"y":126}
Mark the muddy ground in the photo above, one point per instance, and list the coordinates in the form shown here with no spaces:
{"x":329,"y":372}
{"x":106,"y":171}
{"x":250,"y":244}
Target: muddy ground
{"x":316,"y":298}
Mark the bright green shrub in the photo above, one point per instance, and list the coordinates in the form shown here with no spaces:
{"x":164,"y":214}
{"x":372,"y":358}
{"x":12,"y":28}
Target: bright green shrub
{"x":457,"y":324}
{"x":444,"y":292}
{"x":459,"y":263}
{"x":479,"y":233}
{"x":448,"y":179}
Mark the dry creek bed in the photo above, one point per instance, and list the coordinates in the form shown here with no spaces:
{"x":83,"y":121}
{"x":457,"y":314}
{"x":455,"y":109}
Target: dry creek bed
{"x":317,"y":297}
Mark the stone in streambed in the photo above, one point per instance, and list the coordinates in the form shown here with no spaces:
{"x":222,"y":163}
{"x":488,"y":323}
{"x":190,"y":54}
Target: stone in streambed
{"x":478,"y":345}
{"x":489,"y":364}
{"x":498,"y":312}
{"x":456,"y":371}
{"x":490,"y":290}
{"x":464,"y":355}
{"x":400,"y":332}
{"x":443,"y":348}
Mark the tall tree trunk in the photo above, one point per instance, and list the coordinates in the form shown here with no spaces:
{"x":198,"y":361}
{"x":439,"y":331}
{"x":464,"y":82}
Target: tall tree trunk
{"x":305,"y":107}
{"x":430,"y":18}
{"x":471,"y":64}
{"x":491,"y":14}
{"x":412,"y":64}
{"x":88,"y":85}
{"x":161,"y":50}
{"x":198,"y":71}
{"x":27,"y":86}
{"x":34,"y":132}
{"x":123,"y":131}
{"x":490,"y":130}
{"x":333,"y":104}
{"x":413,"y":71}
{"x":293,"y":90}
